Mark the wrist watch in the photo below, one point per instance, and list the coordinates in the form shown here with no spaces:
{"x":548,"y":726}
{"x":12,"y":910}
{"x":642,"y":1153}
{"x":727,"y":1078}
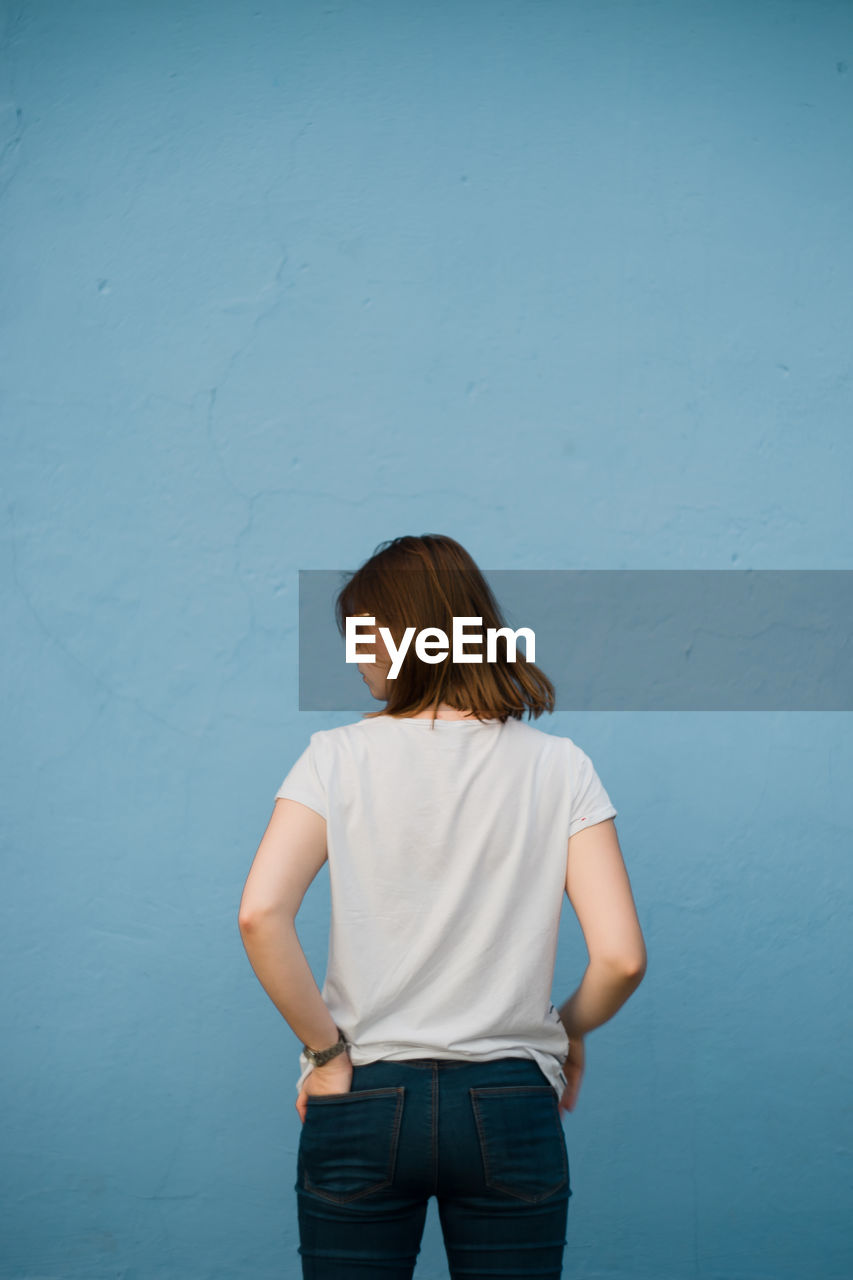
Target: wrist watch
{"x":318,"y":1057}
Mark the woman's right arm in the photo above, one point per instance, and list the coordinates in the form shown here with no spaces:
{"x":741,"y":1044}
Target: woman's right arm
{"x":599,"y":890}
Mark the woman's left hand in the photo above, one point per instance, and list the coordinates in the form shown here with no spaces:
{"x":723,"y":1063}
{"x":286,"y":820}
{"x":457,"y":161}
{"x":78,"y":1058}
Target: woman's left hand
{"x":334,"y":1077}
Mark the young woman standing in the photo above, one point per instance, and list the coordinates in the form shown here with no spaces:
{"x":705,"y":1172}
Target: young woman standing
{"x":434,"y":1062}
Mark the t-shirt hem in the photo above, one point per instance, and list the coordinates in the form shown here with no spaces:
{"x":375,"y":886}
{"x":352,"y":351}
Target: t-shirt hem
{"x":597,"y":815}
{"x":301,"y":797}
{"x":550,"y":1066}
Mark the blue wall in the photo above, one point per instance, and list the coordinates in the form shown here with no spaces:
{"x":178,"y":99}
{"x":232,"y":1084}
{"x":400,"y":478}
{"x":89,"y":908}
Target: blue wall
{"x":570,"y":282}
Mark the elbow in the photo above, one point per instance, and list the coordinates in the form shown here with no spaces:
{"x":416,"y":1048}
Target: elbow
{"x":251,"y":920}
{"x":634,"y":958}
{"x":248,"y":917}
{"x":634,"y":967}
{"x":630,"y":967}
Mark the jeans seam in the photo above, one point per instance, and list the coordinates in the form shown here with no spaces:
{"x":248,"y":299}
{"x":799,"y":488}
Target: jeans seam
{"x":434,"y":1128}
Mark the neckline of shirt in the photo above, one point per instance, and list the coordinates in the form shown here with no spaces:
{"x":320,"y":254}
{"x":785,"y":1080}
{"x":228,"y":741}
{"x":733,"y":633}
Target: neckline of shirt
{"x":443,"y":723}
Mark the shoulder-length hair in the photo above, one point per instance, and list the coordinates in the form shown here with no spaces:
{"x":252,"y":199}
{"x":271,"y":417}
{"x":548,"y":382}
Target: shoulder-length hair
{"x":426,"y":582}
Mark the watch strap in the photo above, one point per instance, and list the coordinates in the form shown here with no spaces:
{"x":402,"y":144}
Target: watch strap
{"x":319,"y":1057}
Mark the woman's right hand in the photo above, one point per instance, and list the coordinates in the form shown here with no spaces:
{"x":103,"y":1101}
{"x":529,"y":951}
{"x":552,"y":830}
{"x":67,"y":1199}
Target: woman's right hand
{"x":573,"y":1071}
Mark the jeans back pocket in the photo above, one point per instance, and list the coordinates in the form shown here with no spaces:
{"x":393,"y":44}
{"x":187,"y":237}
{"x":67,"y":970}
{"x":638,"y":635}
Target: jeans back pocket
{"x":522,"y":1143}
{"x":348,"y":1144}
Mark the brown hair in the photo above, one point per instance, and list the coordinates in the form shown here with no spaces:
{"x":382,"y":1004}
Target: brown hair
{"x":426,"y":582}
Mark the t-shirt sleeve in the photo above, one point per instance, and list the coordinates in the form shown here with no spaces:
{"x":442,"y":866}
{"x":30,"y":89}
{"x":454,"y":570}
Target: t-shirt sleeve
{"x":304,"y":781}
{"x":590,"y":802}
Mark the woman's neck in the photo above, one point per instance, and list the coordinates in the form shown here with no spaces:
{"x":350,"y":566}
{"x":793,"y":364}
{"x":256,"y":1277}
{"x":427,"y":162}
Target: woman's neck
{"x":444,"y":712}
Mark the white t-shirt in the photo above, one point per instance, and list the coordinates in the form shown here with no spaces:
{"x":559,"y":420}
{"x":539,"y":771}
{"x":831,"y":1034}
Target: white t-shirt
{"x":447,"y":870}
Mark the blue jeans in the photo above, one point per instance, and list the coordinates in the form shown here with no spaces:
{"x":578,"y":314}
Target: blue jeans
{"x":485,"y":1138}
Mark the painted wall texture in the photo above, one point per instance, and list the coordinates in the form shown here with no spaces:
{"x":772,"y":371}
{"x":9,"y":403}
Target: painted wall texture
{"x":568,"y":281}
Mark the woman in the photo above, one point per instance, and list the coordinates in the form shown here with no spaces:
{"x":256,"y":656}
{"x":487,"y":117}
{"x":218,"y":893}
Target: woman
{"x":433,"y":1061}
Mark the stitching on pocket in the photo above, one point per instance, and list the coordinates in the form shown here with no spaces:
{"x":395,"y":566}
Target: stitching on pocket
{"x":393,"y":1143}
{"x":490,"y":1175}
{"x":350,"y":1095}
